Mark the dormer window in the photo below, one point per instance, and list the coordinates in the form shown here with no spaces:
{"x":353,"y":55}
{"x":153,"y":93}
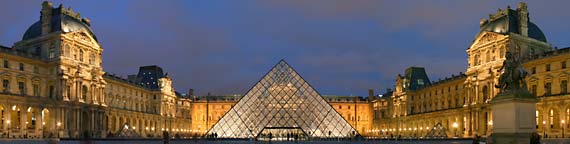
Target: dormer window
{"x":51,"y":53}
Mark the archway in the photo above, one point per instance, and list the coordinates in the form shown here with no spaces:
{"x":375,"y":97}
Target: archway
{"x":45,"y":121}
{"x":2,"y":116}
{"x":31,"y":118}
{"x":85,"y":128}
{"x":15,"y":118}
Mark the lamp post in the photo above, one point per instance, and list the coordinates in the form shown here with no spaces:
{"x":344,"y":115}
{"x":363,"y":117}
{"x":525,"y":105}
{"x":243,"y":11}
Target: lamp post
{"x":544,"y":129}
{"x":455,"y":125}
{"x":9,"y":129}
{"x":563,"y":128}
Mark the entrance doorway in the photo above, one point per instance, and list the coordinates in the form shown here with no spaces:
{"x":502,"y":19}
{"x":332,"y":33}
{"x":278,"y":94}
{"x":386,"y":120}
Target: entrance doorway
{"x":282,"y":134}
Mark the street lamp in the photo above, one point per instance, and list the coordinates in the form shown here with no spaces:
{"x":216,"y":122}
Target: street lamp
{"x":9,"y":129}
{"x":58,"y":126}
{"x":544,"y":129}
{"x":563,"y":128}
{"x":455,"y":125}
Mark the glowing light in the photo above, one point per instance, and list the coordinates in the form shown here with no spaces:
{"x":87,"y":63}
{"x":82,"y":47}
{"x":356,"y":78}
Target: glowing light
{"x":8,"y":121}
{"x":455,"y":125}
{"x":490,"y":123}
{"x":58,"y":124}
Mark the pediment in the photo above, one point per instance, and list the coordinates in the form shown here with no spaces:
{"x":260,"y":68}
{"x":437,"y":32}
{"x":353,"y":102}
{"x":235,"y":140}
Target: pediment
{"x":85,"y":37}
{"x":485,"y":38}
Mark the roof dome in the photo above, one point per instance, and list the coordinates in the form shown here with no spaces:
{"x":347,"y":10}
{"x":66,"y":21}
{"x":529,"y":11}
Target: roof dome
{"x":508,"y":22}
{"x":60,"y":22}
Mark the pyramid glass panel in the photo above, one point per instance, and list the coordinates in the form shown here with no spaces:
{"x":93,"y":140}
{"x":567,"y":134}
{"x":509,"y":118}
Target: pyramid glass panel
{"x":282,"y":102}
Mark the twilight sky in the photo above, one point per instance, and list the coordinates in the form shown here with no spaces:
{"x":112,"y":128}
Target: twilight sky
{"x":341,"y":47}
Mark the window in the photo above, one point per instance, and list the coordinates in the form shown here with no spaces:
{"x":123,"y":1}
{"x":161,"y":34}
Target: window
{"x":6,"y":85}
{"x":6,"y":64}
{"x":81,"y":55}
{"x":502,"y":52}
{"x":533,"y":70}
{"x":547,"y":88}
{"x":547,"y":67}
{"x":91,"y":59}
{"x":36,"y":88}
{"x":22,"y":88}
{"x":476,"y":60}
{"x":83,"y":93}
{"x":51,"y":53}
{"x":21,"y":67}
{"x":488,"y":56}
{"x":66,"y":51}
{"x":563,"y":86}
{"x":36,"y":69}
{"x":563,"y":64}
{"x":533,"y":90}
{"x":485,"y":93}
{"x":51,"y":91}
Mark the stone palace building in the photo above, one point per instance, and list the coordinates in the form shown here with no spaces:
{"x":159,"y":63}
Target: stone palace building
{"x":53,"y":85}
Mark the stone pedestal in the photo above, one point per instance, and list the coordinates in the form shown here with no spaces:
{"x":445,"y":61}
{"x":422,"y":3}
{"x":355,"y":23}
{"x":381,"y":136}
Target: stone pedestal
{"x":513,"y":118}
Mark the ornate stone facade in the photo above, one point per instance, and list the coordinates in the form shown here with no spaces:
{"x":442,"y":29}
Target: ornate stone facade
{"x":53,"y":85}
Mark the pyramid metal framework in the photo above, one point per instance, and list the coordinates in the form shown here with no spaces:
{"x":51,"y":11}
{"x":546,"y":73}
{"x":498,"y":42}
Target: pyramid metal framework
{"x":438,"y":131}
{"x":282,"y":98}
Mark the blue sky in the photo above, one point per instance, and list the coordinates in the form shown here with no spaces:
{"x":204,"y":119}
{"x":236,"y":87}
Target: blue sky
{"x":341,"y":47}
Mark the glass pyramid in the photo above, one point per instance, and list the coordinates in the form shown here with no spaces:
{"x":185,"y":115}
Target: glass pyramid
{"x":282,"y":102}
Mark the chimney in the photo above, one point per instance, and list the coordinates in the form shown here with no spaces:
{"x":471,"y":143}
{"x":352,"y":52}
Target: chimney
{"x":522,"y":11}
{"x":46,"y":14}
{"x":190,"y":92}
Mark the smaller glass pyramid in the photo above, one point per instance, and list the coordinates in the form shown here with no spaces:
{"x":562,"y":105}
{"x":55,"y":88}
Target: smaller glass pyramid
{"x":282,"y":105}
{"x":127,"y":132}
